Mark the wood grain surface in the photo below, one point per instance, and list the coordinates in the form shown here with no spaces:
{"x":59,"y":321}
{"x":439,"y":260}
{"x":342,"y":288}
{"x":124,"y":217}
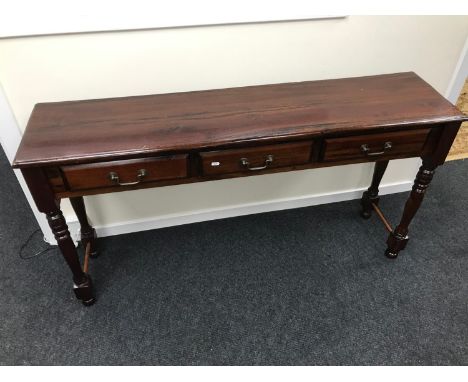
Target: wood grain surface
{"x":404,"y":143}
{"x":120,"y":128}
{"x":229,"y":161}
{"x":96,"y":175}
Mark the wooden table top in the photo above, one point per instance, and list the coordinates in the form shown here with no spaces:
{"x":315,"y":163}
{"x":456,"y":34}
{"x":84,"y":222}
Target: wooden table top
{"x":91,"y":130}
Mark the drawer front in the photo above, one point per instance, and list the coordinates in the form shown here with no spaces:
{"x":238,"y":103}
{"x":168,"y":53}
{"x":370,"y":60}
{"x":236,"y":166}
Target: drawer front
{"x":125,"y":172}
{"x":374,"y":146}
{"x":255,"y":158}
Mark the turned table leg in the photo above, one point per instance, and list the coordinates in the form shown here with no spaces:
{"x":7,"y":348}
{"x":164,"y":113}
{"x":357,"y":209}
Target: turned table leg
{"x":399,"y":237}
{"x":47,"y":203}
{"x":88,"y":233}
{"x":82,"y":287}
{"x":372,"y":194}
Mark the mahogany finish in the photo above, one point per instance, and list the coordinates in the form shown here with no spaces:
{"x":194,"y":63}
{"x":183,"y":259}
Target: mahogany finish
{"x":80,"y":177}
{"x":107,"y":129}
{"x":255,"y":158}
{"x":47,"y":202}
{"x":401,"y":144}
{"x":76,"y":148}
{"x":399,"y":237}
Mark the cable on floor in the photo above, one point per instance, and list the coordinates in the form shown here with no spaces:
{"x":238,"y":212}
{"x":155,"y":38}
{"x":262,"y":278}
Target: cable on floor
{"x":23,"y":246}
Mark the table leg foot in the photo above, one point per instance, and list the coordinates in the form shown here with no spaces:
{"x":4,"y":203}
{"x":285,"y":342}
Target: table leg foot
{"x":85,"y":291}
{"x":366,"y":214}
{"x":390,"y":254}
{"x":89,"y":302}
{"x":366,"y":206}
{"x":395,"y":244}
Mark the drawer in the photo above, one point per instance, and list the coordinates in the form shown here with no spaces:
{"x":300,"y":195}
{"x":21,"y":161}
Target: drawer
{"x":398,"y":144}
{"x":255,"y":158}
{"x":125,"y":172}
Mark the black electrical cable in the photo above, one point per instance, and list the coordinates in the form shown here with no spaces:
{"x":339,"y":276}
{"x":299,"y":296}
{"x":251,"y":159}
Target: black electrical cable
{"x":23,"y":246}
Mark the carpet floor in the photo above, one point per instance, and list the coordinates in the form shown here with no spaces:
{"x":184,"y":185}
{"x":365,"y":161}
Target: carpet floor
{"x":308,"y":286}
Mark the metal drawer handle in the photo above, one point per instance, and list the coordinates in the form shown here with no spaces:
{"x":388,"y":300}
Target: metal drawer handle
{"x":268,"y":160}
{"x":114,"y":177}
{"x":366,"y":149}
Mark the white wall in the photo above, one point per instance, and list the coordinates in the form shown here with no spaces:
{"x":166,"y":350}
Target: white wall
{"x":96,"y":65}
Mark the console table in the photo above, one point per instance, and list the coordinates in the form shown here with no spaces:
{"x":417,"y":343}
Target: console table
{"x":77,"y":148}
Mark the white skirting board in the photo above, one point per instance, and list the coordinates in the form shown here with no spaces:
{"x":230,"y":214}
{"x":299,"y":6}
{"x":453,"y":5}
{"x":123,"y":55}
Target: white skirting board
{"x":230,"y":211}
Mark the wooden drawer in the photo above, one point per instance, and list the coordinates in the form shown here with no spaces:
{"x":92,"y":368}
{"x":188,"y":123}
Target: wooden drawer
{"x":398,"y":144}
{"x":255,"y":158}
{"x":125,"y":172}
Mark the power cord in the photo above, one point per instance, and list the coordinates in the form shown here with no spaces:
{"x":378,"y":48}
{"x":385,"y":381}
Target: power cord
{"x":23,"y":246}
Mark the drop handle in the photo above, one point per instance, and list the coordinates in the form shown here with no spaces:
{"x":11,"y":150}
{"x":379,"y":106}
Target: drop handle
{"x":268,"y":161}
{"x":114,"y":178}
{"x":366,"y":150}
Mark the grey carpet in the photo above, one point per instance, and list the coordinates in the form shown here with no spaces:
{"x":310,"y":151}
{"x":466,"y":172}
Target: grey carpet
{"x":308,"y":286}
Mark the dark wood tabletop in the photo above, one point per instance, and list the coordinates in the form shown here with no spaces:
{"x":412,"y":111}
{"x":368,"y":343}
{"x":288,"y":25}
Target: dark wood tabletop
{"x":86,"y":131}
